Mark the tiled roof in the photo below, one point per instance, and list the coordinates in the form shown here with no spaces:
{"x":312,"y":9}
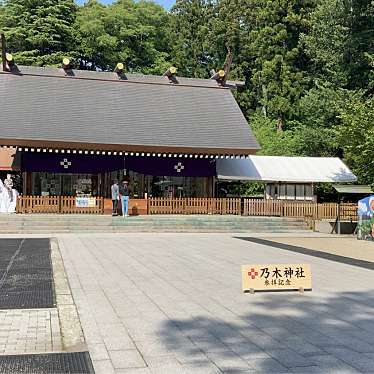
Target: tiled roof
{"x":42,"y":106}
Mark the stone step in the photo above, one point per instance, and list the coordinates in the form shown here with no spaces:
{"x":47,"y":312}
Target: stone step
{"x":121,"y":221}
{"x":6,"y":217}
{"x":155,"y":225}
{"x":209,"y":224}
{"x":135,"y":219}
{"x":171,"y":230}
{"x":145,"y":224}
{"x":50,"y":223}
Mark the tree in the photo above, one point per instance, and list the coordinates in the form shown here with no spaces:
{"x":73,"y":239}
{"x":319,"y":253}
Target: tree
{"x":278,"y":73}
{"x":272,"y":142}
{"x":359,"y":53}
{"x":190,"y":37}
{"x":319,"y":110}
{"x":340,"y":43}
{"x":326,"y":41}
{"x":356,"y":134}
{"x":126,"y":31}
{"x":39,"y":32}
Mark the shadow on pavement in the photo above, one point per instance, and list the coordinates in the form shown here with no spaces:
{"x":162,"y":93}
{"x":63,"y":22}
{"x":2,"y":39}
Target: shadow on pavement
{"x":311,"y":252}
{"x":279,"y":333}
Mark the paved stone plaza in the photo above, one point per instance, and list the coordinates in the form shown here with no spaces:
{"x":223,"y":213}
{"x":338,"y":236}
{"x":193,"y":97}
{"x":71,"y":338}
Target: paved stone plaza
{"x":26,"y":327}
{"x":29,"y":330}
{"x":172,"y":303}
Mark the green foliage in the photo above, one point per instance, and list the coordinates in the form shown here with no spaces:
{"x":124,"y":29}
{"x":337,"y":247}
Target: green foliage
{"x":272,"y":142}
{"x":326,"y":41}
{"x":190,"y":22}
{"x":39,"y":32}
{"x":325,"y":192}
{"x":251,"y":189}
{"x":340,"y":42}
{"x":126,"y":31}
{"x":356,"y":134}
{"x":273,"y":43}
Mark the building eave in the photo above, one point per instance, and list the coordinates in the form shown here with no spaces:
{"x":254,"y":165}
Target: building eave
{"x":156,"y":150}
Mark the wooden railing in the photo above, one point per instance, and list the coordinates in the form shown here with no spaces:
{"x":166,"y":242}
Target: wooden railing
{"x":236,"y":206}
{"x":194,"y":205}
{"x":297,"y":209}
{"x":262,"y":207}
{"x":327,"y":211}
{"x":68,"y":206}
{"x":56,"y":204}
{"x":38,"y":204}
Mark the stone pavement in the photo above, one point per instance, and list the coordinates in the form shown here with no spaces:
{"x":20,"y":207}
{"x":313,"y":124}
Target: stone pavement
{"x":43,"y":330}
{"x":172,"y":303}
{"x":29,"y":331}
{"x":343,"y":245}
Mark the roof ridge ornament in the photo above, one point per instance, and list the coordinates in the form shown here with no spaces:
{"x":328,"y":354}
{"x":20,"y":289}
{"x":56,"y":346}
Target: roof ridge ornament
{"x":120,"y":70}
{"x":171,"y":74}
{"x":67,"y":66}
{"x":8,"y":62}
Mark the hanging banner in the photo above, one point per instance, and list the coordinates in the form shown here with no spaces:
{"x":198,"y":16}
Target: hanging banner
{"x":275,"y":277}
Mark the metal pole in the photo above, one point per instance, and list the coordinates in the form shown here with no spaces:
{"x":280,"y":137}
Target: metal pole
{"x":339,"y":215}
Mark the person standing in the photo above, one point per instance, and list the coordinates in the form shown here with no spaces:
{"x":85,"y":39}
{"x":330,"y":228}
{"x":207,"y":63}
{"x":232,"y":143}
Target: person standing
{"x":8,"y":183}
{"x":115,"y":197}
{"x":124,"y":194}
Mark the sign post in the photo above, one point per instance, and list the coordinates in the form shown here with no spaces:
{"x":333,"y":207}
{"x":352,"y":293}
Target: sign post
{"x":276,"y":277}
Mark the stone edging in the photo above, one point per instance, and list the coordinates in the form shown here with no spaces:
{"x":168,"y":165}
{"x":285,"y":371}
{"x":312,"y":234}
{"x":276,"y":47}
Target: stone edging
{"x":71,"y":331}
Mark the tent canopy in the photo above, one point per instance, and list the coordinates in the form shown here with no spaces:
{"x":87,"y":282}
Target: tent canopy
{"x":285,"y":169}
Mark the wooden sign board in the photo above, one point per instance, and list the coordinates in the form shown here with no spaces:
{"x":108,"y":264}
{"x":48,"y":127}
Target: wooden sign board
{"x":275,"y":277}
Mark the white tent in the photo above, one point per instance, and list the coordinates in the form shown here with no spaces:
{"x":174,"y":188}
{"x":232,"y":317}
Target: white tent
{"x":285,"y":169}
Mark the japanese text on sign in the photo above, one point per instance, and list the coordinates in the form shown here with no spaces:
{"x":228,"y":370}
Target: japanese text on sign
{"x":85,"y":202}
{"x":276,"y":277}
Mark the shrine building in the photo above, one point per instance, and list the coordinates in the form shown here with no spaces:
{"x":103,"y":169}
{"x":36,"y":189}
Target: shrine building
{"x":66,"y":132}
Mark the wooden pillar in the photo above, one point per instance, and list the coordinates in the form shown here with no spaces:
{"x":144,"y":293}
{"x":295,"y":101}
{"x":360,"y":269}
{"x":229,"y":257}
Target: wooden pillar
{"x":24,"y":183}
{"x":213,"y":182}
{"x":141,"y":186}
{"x":99,"y":186}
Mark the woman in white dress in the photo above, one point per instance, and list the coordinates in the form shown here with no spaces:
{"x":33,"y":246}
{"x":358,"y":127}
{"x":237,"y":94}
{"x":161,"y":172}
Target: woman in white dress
{"x":13,"y":204}
{"x":7,"y":205}
{"x":4,"y":198}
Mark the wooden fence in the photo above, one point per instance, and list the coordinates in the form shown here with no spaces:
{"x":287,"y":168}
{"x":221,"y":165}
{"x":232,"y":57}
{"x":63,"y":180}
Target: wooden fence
{"x":194,"y":206}
{"x":283,"y":208}
{"x":236,"y":206}
{"x":56,"y":204}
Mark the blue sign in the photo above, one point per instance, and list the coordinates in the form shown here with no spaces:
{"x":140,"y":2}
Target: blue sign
{"x":365,"y":226}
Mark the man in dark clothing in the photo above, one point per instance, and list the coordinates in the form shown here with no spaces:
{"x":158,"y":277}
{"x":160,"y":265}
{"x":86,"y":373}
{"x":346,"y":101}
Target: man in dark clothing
{"x":115,"y":197}
{"x":124,"y":194}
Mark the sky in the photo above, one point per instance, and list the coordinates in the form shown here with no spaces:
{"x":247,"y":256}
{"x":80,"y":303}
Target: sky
{"x":165,"y":3}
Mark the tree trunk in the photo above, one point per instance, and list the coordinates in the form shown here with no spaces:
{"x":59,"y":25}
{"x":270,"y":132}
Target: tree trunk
{"x":280,"y":124}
